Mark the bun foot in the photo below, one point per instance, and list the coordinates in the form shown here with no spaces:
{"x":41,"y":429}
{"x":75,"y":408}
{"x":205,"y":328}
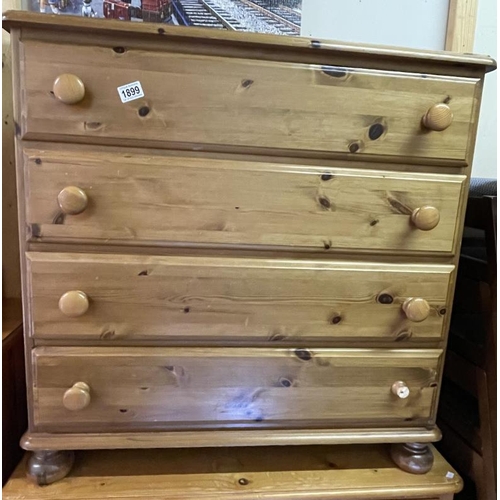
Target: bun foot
{"x":416,"y":458}
{"x":46,"y":467}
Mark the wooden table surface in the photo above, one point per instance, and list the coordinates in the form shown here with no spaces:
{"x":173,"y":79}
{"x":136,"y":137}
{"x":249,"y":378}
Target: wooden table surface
{"x":300,"y":472}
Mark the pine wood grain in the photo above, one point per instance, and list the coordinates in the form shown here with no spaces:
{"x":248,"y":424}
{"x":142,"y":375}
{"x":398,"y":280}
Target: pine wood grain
{"x":201,"y":438}
{"x":462,"y":16}
{"x":140,"y":199}
{"x":325,"y":109}
{"x":295,"y":113}
{"x":11,"y":278}
{"x":227,"y":299}
{"x":139,"y":388}
{"x":326,"y":472}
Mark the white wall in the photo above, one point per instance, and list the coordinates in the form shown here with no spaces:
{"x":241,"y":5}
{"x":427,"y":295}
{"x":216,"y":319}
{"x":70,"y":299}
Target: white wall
{"x":485,"y":157}
{"x":416,"y":24}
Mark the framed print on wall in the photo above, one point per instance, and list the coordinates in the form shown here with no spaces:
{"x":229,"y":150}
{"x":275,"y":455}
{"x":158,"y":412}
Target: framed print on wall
{"x":279,"y":17}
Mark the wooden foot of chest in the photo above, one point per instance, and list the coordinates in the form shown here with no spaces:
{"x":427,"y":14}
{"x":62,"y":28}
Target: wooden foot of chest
{"x":416,"y":458}
{"x":47,"y":467}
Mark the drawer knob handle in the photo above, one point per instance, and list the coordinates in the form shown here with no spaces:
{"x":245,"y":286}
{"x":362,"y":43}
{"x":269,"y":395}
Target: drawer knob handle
{"x":425,"y":218}
{"x":77,"y":397}
{"x":74,"y":303}
{"x":68,"y":88}
{"x":400,"y":389}
{"x":416,"y":309}
{"x":72,"y":200}
{"x":438,"y":117}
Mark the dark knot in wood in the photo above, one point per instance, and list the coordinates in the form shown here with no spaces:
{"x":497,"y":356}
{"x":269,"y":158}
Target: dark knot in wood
{"x":334,"y":71}
{"x":376,"y":130}
{"x":324,"y":202}
{"x":385,"y":298}
{"x":354,"y":147}
{"x":303,"y":354}
{"x":246,"y":83}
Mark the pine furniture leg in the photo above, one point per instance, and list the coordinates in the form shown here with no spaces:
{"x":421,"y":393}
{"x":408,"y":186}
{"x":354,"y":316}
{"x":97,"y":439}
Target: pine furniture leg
{"x":416,"y":458}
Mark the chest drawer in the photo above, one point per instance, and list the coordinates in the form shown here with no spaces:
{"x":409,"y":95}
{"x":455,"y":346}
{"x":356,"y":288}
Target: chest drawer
{"x":210,"y":102}
{"x":164,"y":200}
{"x":161,"y":387}
{"x":124,"y":297}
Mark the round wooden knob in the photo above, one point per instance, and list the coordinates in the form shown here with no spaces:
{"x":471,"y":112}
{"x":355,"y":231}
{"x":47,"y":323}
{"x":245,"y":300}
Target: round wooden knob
{"x":77,"y":397}
{"x":72,"y":200}
{"x":400,"y":389}
{"x":416,"y":309}
{"x":438,"y":117}
{"x":425,"y":218}
{"x":74,"y":303}
{"x":69,"y":89}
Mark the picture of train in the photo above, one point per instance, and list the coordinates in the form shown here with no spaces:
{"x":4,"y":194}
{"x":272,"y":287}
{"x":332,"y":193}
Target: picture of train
{"x":154,"y":11}
{"x":282,"y":17}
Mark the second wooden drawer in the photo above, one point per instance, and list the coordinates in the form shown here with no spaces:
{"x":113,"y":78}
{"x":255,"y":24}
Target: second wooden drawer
{"x":134,"y":199}
{"x":174,"y":298}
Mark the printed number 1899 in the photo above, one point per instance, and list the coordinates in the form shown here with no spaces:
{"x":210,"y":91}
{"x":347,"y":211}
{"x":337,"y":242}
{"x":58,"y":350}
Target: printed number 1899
{"x":131,"y":91}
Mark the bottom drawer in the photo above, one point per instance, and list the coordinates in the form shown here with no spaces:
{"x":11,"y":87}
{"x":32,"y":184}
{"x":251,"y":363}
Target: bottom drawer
{"x":93,"y":389}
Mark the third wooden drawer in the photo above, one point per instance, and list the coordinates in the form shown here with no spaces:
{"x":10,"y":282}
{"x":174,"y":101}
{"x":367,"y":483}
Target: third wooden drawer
{"x":108,"y":197}
{"x":124,"y":298}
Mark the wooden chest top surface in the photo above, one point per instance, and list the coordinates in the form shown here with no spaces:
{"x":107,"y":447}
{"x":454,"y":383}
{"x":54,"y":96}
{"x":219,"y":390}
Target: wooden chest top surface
{"x":258,"y":41}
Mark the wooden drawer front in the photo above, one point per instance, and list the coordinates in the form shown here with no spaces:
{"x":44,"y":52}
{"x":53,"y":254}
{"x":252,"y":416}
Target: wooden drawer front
{"x":162,"y":200}
{"x":213,"y":102}
{"x":233,"y":299}
{"x":183,"y":387}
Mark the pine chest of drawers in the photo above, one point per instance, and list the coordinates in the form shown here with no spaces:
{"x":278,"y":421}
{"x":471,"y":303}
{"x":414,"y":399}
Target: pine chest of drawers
{"x":260,"y":249}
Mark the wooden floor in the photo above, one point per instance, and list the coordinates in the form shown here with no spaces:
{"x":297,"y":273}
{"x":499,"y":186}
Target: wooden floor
{"x":302,"y":472}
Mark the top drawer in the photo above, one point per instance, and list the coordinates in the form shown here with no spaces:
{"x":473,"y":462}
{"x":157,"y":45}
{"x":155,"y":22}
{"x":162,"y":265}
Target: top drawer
{"x":214,"y":103}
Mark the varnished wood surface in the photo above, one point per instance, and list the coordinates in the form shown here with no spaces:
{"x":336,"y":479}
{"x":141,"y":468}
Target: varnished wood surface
{"x":216,"y":438}
{"x":68,"y":88}
{"x":244,"y":102}
{"x":162,"y":200}
{"x":250,"y":300}
{"x":11,"y":279}
{"x":461,"y":27}
{"x":321,"y":108}
{"x":326,"y":472}
{"x":207,"y":68}
{"x":139,"y":388}
{"x":438,"y":117}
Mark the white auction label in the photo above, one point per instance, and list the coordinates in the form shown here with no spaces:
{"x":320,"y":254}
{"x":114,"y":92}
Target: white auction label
{"x":130,"y":91}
